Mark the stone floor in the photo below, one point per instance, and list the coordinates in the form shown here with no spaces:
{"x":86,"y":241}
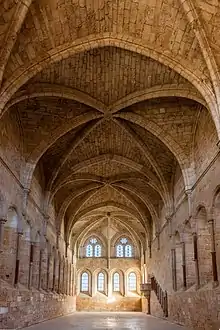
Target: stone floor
{"x":105,"y":321}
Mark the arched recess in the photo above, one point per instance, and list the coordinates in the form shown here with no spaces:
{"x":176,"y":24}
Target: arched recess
{"x":132,"y":291}
{"x":216,"y":218}
{"x":117,"y":281}
{"x":100,"y":281}
{"x":131,"y":240}
{"x":84,"y":280}
{"x":204,"y":245}
{"x":85,"y":241}
{"x":121,"y":41}
{"x":9,"y":247}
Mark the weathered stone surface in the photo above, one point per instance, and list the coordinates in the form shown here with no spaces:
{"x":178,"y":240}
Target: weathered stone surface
{"x":109,"y":128}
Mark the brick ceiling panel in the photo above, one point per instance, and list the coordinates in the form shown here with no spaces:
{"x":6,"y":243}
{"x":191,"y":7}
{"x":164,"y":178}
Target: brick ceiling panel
{"x":50,"y":24}
{"x":55,"y":153}
{"x":109,"y":73}
{"x":94,"y":87}
{"x":209,"y":13}
{"x":63,"y":194}
{"x":147,"y":191}
{"x":163,"y":156}
{"x":176,"y":116}
{"x":98,"y":143}
{"x":7,"y":9}
{"x":105,"y":195}
{"x":106,"y":169}
{"x":47,"y":114}
{"x":108,"y":138}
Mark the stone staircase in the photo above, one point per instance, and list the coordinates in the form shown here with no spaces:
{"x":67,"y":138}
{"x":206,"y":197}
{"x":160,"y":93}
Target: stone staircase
{"x":161,"y":295}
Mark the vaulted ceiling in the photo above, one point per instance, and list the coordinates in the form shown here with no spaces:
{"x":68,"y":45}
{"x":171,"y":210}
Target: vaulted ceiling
{"x":108,"y":95}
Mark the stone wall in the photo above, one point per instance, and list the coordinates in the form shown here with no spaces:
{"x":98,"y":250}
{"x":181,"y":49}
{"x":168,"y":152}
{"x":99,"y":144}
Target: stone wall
{"x":196,"y":310}
{"x":155,"y":307}
{"x":22,"y":307}
{"x":197,"y":304}
{"x":117,"y":303}
{"x":36,"y":271}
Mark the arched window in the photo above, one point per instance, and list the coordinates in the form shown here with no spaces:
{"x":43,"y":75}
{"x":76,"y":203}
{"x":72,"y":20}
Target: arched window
{"x":93,"y":249}
{"x":119,"y":251}
{"x":84,"y":282}
{"x":132,"y":282}
{"x":124,"y":249}
{"x":101,"y":282}
{"x":98,"y":250}
{"x":128,"y":251}
{"x":116,"y":282}
{"x":89,"y":250}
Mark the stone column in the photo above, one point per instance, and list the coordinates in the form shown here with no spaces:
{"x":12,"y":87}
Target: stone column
{"x":2,"y":224}
{"x":70,"y":280}
{"x":48,"y":270}
{"x":169,"y":223}
{"x":54,"y":273}
{"x":174,"y":277}
{"x":73,"y":280}
{"x":67,"y":278}
{"x":158,"y":240}
{"x":31,"y":265}
{"x":63,"y":279}
{"x":213,"y":252}
{"x":109,"y":242}
{"x":149,"y":250}
{"x":17,"y":265}
{"x":195,"y":249}
{"x":59,"y":272}
{"x":184,"y":264}
{"x":40,"y":269}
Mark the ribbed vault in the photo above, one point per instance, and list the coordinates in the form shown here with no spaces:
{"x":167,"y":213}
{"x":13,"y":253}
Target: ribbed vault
{"x":107,"y":96}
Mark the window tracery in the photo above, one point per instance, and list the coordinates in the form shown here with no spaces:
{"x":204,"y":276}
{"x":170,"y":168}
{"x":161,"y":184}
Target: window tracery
{"x":124,"y":249}
{"x":93,"y":248}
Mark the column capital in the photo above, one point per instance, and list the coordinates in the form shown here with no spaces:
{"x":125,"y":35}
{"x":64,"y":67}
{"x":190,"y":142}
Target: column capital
{"x":3,"y":221}
{"x":188,"y":191}
{"x":210,"y":221}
